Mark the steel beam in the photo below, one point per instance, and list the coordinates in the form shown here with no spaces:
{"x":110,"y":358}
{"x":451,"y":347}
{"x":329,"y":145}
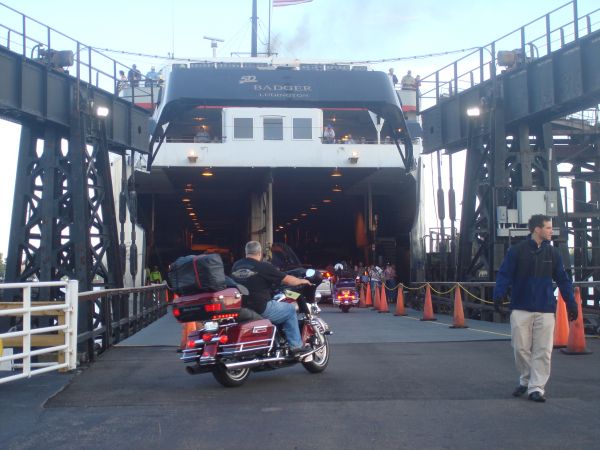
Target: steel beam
{"x":545,"y":89}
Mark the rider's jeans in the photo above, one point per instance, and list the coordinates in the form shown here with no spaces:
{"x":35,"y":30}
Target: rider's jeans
{"x":284,"y":314}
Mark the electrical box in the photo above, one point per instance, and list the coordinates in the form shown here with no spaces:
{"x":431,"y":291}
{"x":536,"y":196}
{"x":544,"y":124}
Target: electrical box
{"x":536,"y":202}
{"x":501,"y":216}
{"x":512,"y":216}
{"x":552,"y":203}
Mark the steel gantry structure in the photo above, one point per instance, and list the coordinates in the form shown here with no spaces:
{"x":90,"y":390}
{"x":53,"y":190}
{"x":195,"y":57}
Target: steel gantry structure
{"x":518,"y":129}
{"x":63,"y":217}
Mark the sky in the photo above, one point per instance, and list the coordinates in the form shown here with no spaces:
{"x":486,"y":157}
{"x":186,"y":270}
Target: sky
{"x":340,"y":30}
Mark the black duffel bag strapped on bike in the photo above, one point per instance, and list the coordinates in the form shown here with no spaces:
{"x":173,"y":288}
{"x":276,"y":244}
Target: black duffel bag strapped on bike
{"x":197,"y":273}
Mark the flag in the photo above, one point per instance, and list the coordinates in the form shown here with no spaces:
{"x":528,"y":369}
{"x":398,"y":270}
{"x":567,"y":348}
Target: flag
{"x":288,"y":2}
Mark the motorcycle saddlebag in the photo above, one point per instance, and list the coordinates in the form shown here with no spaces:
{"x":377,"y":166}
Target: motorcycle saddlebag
{"x":208,"y":306}
{"x":197,"y":273}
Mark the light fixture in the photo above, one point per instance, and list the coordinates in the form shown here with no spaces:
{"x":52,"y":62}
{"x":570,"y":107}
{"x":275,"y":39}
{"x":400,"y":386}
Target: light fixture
{"x":303,"y":214}
{"x":353,"y":157}
{"x":473,"y":111}
{"x":102,"y":111}
{"x":336,"y":173}
{"x":207,"y":172}
{"x":295,"y":219}
{"x":192,"y":156}
{"x":186,"y":200}
{"x":189,"y":187}
{"x":192,"y":213}
{"x":326,"y":200}
{"x":336,"y":188}
{"x":313,"y":208}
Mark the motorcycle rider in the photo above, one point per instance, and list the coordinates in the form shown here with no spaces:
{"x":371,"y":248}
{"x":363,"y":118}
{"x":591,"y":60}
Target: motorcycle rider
{"x":258,"y":277}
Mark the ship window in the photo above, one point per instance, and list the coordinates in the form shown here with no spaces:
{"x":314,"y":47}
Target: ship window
{"x":243,"y":128}
{"x":302,"y":128}
{"x":273,"y":128}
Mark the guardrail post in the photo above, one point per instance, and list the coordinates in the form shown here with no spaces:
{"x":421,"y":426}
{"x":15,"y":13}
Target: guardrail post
{"x":27,"y":331}
{"x":72,"y":300}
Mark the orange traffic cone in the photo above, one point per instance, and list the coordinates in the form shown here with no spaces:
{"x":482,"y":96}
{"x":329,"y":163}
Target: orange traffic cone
{"x":576,"y":344}
{"x":459,"y":315}
{"x":561,"y":326}
{"x":376,"y":299}
{"x":428,"y":306}
{"x":400,"y":311}
{"x":383,"y":305}
{"x":186,"y":329}
{"x":369,"y":300}
{"x":361,"y":298}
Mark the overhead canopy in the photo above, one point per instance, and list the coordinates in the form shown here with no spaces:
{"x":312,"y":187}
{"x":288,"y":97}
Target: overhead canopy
{"x":250,"y":87}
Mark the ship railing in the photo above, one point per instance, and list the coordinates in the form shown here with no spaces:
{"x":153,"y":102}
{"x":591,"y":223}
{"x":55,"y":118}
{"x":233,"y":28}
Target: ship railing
{"x":536,"y":39}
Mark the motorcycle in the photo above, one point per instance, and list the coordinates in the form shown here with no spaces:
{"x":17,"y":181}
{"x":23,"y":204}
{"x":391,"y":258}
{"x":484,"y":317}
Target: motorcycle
{"x":235,"y":341}
{"x":345,"y":294}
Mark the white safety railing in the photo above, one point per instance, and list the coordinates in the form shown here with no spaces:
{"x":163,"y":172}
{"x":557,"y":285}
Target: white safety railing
{"x":26,"y":309}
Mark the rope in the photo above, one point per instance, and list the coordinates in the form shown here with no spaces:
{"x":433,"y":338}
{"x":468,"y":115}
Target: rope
{"x":478,"y":298}
{"x":442,"y":293}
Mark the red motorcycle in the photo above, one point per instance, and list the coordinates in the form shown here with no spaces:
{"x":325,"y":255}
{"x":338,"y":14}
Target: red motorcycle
{"x":235,"y":341}
{"x":345,"y":294}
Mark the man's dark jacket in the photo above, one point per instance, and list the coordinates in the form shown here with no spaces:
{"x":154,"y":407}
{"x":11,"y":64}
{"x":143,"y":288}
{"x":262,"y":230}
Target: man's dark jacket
{"x":530,"y":269}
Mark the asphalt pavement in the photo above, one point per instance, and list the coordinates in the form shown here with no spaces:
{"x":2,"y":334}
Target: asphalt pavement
{"x":392,"y":383}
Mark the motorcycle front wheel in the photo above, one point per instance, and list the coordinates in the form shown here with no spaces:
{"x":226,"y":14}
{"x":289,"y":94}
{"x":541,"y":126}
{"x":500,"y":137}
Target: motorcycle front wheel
{"x":231,"y":378}
{"x":320,"y":359}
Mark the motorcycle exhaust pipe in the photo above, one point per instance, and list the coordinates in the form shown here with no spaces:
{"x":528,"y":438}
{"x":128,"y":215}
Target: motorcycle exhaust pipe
{"x":253,"y":362}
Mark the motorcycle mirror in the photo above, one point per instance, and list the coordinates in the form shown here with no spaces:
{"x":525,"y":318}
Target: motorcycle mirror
{"x":310,"y":273}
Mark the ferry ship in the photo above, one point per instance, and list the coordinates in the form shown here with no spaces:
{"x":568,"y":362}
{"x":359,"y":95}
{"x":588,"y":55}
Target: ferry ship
{"x":240,"y":150}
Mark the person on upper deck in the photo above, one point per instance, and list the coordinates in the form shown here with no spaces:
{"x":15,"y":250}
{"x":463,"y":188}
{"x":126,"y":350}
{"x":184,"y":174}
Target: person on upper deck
{"x":408,"y":81}
{"x":134,"y":76}
{"x":152,"y":77}
{"x":393,"y":77}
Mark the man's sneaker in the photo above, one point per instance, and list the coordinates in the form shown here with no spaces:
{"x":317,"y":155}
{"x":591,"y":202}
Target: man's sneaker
{"x":520,"y":390}
{"x":298,"y":352}
{"x":537,"y":396}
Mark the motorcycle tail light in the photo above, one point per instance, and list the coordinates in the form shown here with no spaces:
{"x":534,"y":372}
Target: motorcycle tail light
{"x":224,"y":339}
{"x":176,"y":312}
{"x":206,"y":337}
{"x":191,"y":343}
{"x":212,"y":307}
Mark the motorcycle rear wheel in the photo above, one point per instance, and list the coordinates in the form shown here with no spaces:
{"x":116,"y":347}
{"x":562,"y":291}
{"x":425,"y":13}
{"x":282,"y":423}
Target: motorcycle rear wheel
{"x":345,"y":308}
{"x":231,"y":378}
{"x":320,"y":359}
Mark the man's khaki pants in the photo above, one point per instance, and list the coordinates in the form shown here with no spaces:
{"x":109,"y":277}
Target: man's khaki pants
{"x":532,"y":341}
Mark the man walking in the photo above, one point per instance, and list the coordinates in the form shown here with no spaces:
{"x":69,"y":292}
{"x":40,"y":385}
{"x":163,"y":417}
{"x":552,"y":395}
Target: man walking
{"x":529,"y":268}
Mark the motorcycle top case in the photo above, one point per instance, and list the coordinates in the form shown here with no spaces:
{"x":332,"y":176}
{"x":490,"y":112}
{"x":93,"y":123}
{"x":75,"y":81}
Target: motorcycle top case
{"x":207,"y":305}
{"x":197,"y":273}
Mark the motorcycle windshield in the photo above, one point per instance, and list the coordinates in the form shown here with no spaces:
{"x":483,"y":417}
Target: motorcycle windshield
{"x":283,"y":257}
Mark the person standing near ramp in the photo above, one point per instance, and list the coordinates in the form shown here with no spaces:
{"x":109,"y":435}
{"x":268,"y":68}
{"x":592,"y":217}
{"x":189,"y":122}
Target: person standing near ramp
{"x":529,"y":268}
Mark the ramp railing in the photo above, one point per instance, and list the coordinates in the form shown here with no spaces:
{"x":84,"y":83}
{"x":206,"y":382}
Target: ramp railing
{"x":538,"y":38}
{"x":33,"y":39}
{"x":60,"y":338}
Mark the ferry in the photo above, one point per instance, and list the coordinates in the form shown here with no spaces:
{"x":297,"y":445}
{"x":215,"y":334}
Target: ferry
{"x":243,"y":149}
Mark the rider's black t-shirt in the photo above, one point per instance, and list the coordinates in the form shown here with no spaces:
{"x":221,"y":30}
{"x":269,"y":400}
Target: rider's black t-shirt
{"x":258,"y":277}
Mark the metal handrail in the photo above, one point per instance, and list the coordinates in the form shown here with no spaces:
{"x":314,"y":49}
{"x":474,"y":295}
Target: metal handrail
{"x":85,"y":67}
{"x":441,"y":78}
